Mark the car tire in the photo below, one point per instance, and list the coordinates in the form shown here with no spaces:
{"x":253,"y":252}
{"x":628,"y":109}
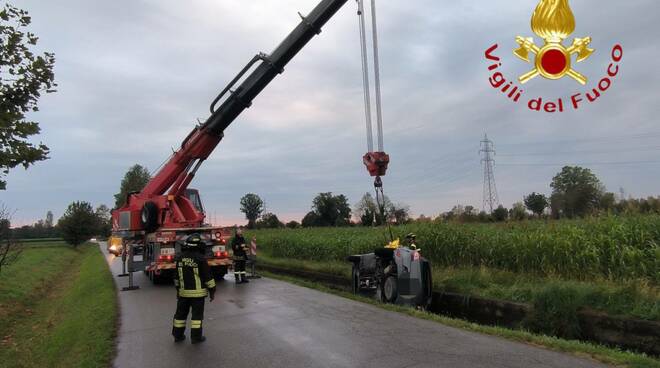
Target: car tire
{"x":428,"y":278}
{"x":355,"y":279}
{"x":149,"y":217}
{"x":390,"y":290}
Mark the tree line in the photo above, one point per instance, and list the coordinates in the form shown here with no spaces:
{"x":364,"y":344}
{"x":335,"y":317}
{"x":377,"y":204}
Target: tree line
{"x":576,"y":192}
{"x":328,"y":210}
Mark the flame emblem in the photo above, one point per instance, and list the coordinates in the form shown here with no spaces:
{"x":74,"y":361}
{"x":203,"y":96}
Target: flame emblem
{"x":553,"y":21}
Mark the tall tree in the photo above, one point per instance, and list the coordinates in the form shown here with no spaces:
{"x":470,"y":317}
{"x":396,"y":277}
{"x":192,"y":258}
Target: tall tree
{"x":292,"y":224}
{"x":332,"y":210}
{"x":576,"y":191}
{"x":366,"y":209}
{"x":104,"y":219}
{"x":500,"y":214}
{"x":49,"y":219}
{"x":608,"y":202}
{"x":135,"y":179}
{"x":79,"y":223}
{"x":311,"y":219}
{"x":24,"y":75}
{"x":252,"y":206}
{"x":518,"y":212}
{"x":400,"y":213}
{"x":269,"y":221}
{"x":537,"y":203}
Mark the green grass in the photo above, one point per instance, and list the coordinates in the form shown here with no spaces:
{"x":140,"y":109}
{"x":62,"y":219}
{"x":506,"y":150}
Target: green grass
{"x":611,"y":247}
{"x":41,"y":240}
{"x":587,"y":350}
{"x":60,"y":308}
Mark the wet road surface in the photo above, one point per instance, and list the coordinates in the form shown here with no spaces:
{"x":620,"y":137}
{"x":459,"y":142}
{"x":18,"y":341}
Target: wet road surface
{"x":268,"y":323}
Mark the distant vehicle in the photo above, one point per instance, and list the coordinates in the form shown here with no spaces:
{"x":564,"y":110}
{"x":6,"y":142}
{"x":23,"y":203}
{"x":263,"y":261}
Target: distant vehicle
{"x":93,"y":240}
{"x":115,"y":245}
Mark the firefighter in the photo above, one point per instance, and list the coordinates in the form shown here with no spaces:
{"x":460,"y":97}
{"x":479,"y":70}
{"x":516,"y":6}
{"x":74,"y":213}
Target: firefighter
{"x":411,"y":240}
{"x":240,"y":256}
{"x":193,"y":283}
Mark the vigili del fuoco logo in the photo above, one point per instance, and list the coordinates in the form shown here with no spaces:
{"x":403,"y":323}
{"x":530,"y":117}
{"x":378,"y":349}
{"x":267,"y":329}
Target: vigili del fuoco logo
{"x":553,"y":21}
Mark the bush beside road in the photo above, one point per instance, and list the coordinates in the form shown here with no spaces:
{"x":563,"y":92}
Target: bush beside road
{"x":58,"y":308}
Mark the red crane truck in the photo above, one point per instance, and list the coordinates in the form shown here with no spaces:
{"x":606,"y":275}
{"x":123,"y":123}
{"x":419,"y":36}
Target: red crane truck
{"x":155,"y":220}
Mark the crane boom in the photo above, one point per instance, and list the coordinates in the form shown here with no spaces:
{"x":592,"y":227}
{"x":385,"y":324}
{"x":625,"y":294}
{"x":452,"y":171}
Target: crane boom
{"x":203,"y":140}
{"x":162,"y":202}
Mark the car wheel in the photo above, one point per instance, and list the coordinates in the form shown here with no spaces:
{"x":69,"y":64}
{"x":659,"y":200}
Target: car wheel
{"x":390,"y":290}
{"x":428,"y":281}
{"x":355,"y":277}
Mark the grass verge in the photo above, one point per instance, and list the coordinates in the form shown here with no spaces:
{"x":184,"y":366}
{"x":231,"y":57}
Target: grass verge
{"x":600,"y":353}
{"x":633,"y":298}
{"x":59,"y":307}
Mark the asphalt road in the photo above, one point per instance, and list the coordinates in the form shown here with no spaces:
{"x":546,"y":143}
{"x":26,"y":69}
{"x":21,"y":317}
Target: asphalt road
{"x":268,"y":323}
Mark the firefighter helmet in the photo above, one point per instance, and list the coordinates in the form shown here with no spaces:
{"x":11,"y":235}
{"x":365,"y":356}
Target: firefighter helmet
{"x":193,"y":241}
{"x":411,"y":236}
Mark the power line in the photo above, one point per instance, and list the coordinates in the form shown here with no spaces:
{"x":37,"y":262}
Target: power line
{"x":638,"y":149}
{"x":490,"y":198}
{"x":617,"y":138}
{"x":578,"y":163}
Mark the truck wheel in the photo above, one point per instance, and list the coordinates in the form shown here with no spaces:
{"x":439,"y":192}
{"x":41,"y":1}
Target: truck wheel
{"x":219,"y":273}
{"x":390,"y":291}
{"x":355,"y":277}
{"x":149,"y":217}
{"x":162,"y":279}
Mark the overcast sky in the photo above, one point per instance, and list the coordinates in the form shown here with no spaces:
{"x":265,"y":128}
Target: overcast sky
{"x":135,"y":75}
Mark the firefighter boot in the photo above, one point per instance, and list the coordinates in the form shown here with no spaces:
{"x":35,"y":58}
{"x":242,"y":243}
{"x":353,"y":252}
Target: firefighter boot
{"x":198,"y":340}
{"x":178,"y":330}
{"x":196,"y":335}
{"x":244,"y":278}
{"x":238,"y":278}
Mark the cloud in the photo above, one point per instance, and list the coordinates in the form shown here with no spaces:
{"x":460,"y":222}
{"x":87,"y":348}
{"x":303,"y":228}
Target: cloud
{"x":135,"y":76}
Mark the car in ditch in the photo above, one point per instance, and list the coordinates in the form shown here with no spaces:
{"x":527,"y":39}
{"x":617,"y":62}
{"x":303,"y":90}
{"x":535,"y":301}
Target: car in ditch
{"x":395,"y":274}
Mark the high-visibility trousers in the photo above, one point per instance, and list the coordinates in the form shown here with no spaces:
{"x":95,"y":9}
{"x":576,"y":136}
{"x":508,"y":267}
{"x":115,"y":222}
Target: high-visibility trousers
{"x":183,"y":307}
{"x":239,"y":266}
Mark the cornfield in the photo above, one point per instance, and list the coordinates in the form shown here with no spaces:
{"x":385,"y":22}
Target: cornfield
{"x":612,"y":247}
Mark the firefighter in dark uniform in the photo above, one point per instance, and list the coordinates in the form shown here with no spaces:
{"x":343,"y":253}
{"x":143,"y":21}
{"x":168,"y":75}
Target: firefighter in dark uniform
{"x":193,"y":283}
{"x":240,"y":256}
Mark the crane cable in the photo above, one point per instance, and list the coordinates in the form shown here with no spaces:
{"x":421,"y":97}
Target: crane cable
{"x":365,"y":76}
{"x":378,"y":183}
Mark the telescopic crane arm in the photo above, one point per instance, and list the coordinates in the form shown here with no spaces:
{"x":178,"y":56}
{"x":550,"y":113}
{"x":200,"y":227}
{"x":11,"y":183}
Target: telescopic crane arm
{"x":162,"y":203}
{"x":177,"y":173}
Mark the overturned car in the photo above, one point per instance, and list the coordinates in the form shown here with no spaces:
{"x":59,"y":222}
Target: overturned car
{"x":397,"y":275}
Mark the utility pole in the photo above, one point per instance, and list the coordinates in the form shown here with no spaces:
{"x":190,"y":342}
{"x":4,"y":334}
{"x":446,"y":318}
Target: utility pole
{"x":491,"y":200}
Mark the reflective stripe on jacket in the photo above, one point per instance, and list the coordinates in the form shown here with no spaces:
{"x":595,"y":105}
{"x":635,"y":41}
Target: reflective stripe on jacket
{"x":193,"y":278}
